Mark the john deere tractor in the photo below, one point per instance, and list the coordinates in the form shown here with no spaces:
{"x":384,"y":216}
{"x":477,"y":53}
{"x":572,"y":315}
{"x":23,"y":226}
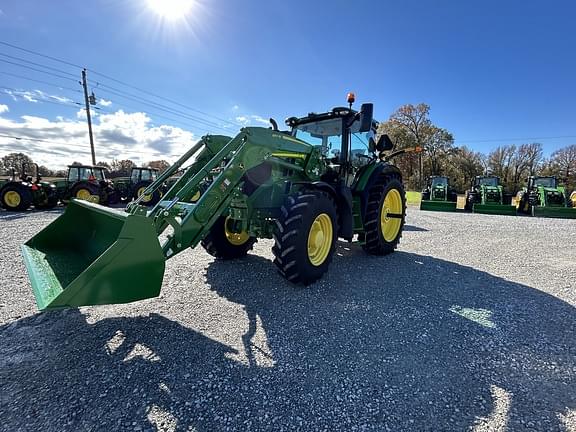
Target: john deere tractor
{"x":129,"y":188}
{"x":263,"y":183}
{"x":543,"y":197}
{"x":19,"y":193}
{"x":486,"y":195}
{"x":88,"y":183}
{"x":438,"y":195}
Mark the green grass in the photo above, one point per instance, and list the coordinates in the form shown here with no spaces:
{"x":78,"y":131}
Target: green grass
{"x":413,"y":197}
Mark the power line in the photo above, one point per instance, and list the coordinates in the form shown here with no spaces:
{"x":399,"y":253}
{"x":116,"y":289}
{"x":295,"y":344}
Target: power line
{"x":36,"y":64}
{"x":122,"y":83}
{"x":162,"y":98}
{"x":37,"y":70}
{"x":165,"y":109}
{"x":515,"y":139}
{"x":39,"y":54}
{"x":40,"y":81}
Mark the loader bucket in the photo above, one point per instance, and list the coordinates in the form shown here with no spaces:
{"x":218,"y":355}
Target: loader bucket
{"x":554,"y":212}
{"x":443,"y":206}
{"x":495,"y":209}
{"x":92,"y":255}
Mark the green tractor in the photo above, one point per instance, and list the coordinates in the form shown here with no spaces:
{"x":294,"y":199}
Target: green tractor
{"x":129,"y":188}
{"x":18,"y":194}
{"x":87,"y":183}
{"x":438,"y":195}
{"x":263,"y":183}
{"x":486,"y":195}
{"x":543,"y":197}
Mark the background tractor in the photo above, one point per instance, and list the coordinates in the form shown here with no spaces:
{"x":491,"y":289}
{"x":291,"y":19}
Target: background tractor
{"x":543,"y":197}
{"x":88,"y":183}
{"x":19,"y":193}
{"x":129,"y":188}
{"x":486,"y":195}
{"x":264,"y":183}
{"x":438,"y":195}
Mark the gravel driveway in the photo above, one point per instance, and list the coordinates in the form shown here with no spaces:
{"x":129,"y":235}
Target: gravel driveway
{"x":470,"y":325}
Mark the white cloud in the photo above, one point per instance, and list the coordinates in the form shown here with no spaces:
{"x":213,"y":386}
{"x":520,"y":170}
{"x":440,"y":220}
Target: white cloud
{"x":104,"y":102}
{"x":35,"y":96}
{"x":235,"y":108}
{"x":259,"y":119}
{"x":117,"y":136}
{"x":252,"y":120}
{"x":4,"y":108}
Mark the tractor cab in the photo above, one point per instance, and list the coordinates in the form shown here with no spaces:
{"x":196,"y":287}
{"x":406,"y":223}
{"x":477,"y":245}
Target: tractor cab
{"x":548,"y":182}
{"x":89,"y":173}
{"x":139,"y":174}
{"x":490,"y":181}
{"x":437,"y":182}
{"x":346,"y":134}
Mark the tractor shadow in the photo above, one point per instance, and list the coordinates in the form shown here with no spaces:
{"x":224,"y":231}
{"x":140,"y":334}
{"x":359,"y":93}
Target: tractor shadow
{"x":403,"y":342}
{"x":414,"y":228}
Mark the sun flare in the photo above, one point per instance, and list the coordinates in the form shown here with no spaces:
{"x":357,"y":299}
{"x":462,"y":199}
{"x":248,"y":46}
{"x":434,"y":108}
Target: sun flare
{"x":171,"y":9}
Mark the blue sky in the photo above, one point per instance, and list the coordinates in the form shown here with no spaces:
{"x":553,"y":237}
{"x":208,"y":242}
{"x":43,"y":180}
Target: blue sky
{"x":493,"y":72}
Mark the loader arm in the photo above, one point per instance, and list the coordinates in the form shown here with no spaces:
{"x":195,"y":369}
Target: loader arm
{"x":94,"y":255}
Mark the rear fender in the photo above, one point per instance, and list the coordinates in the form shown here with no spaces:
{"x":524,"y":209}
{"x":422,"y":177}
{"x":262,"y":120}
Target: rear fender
{"x":368,"y":177}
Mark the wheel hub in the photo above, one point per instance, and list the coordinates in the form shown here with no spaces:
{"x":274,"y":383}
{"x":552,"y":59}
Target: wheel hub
{"x":320,"y":239}
{"x":12,"y":198}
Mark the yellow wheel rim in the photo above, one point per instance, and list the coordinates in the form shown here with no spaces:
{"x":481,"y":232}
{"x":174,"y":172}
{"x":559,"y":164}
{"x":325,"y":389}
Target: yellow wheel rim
{"x":84,"y":194}
{"x":390,"y":223}
{"x":320,"y":239}
{"x":236,"y":239}
{"x":146,"y":198}
{"x":196,"y":197}
{"x":12,"y":199}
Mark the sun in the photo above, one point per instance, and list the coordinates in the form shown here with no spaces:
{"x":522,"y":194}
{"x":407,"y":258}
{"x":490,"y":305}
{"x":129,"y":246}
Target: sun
{"x":171,"y":9}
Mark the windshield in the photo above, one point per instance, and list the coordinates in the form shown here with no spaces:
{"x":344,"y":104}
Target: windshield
{"x":488,"y":181}
{"x":439,"y":181}
{"x":548,"y":182}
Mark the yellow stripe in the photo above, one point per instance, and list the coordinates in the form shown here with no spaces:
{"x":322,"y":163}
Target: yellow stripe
{"x":290,"y":155}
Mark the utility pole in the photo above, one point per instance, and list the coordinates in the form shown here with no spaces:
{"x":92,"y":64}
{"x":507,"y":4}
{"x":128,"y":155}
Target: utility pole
{"x":87,"y":101}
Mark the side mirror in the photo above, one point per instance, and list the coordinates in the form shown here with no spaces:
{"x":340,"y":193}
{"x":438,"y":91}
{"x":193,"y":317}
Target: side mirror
{"x":384,"y":143}
{"x":366,"y":114}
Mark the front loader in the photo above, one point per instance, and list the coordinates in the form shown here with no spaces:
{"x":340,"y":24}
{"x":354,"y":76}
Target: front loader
{"x":544,"y":197}
{"x":486,"y":195}
{"x":263,"y":183}
{"x":438,"y":195}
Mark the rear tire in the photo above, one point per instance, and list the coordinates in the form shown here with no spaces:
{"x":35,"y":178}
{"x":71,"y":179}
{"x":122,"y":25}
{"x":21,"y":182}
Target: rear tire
{"x":224,"y":244}
{"x":385,"y":216}
{"x":16,"y":197}
{"x":86,"y":192}
{"x":305,"y":237}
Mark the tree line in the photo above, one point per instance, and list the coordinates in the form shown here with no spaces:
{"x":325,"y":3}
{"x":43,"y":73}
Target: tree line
{"x":116,"y":168}
{"x":410,"y":126}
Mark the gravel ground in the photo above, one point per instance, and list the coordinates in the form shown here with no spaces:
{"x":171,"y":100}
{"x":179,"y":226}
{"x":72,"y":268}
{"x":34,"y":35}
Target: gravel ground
{"x":469,"y":326}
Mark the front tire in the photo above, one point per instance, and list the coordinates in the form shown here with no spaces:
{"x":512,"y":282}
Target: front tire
{"x":148,"y":200}
{"x":305,"y":237}
{"x":385,"y":216}
{"x":224,"y":244}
